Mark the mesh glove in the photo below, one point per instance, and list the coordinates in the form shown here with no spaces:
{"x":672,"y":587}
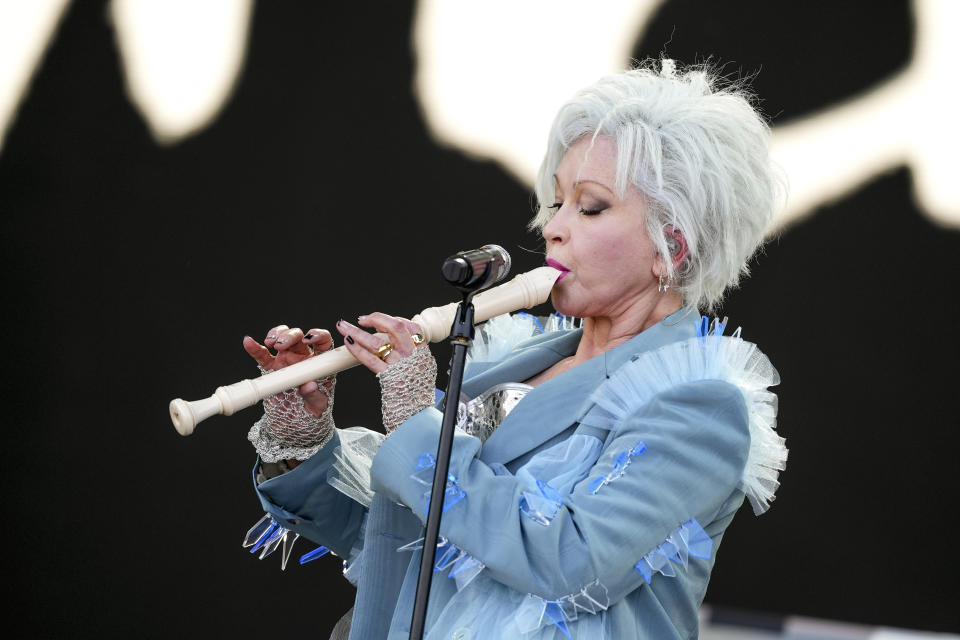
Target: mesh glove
{"x":287,"y":430}
{"x":407,"y":387}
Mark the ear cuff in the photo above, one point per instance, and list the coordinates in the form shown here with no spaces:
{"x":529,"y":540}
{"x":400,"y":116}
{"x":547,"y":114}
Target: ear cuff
{"x":673,"y":246}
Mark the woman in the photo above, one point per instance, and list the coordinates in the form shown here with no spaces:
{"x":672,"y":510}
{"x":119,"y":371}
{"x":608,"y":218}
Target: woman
{"x":595,"y":508}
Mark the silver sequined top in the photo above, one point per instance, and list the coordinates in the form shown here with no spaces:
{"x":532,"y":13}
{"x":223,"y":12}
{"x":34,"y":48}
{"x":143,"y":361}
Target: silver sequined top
{"x":482,"y":415}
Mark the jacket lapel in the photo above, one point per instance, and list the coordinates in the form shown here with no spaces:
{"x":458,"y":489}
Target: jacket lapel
{"x":557,"y":404}
{"x":546,"y":411}
{"x":533,"y":357}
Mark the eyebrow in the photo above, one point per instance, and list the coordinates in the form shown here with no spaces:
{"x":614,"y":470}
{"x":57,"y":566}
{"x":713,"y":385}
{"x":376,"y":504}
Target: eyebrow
{"x":581,"y":181}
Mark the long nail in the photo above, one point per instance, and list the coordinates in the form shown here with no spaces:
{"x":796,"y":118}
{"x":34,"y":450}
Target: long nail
{"x":349,"y":339}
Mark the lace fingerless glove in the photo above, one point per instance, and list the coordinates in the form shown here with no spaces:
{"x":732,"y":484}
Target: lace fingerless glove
{"x":287,"y":430}
{"x":407,"y":387}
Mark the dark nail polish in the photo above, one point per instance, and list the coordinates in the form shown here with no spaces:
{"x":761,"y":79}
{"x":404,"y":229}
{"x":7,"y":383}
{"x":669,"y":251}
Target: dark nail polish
{"x":309,"y":336}
{"x":349,"y":339}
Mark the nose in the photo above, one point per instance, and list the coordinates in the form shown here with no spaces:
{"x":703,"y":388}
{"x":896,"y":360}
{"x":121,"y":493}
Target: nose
{"x":556,"y":231}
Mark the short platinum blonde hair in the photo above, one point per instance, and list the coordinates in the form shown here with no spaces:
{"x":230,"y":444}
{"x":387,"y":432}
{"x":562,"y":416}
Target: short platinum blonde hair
{"x":696,"y":149}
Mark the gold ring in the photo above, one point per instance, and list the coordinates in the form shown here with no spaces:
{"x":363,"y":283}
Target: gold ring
{"x":385,"y":350}
{"x":418,"y":339}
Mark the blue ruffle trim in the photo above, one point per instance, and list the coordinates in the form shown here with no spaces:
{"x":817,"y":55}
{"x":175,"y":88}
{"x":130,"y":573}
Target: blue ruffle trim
{"x":688,"y":540}
{"x":534,"y":611}
{"x":310,"y":556}
{"x":542,"y":508}
{"x":268,"y":535}
{"x":619,"y":467}
{"x":463,"y":566}
{"x":423,"y":473}
{"x":706,"y":327}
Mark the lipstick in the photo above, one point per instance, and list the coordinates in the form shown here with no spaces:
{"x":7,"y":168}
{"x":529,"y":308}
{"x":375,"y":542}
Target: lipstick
{"x":556,"y":265}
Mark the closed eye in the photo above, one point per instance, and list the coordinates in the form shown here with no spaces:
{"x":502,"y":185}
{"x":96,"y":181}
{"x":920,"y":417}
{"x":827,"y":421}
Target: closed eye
{"x":591,"y":212}
{"x":555,"y":206}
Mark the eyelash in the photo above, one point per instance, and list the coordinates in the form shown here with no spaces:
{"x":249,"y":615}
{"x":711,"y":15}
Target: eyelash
{"x":586,"y":212}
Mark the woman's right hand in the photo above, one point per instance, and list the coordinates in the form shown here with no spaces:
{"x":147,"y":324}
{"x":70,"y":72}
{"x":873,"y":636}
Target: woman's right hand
{"x":296,"y":422}
{"x":292,"y":346}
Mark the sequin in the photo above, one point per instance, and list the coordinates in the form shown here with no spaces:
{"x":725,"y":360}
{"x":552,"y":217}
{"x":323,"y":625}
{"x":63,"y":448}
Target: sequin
{"x":533,"y":611}
{"x":690,"y":539}
{"x":542,"y":508}
{"x":620,"y":465}
{"x":463,"y":566}
{"x":423,"y":474}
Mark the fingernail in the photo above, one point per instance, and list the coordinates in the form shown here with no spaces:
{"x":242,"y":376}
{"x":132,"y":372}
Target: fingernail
{"x":272,"y":336}
{"x":309,"y":336}
{"x":281,"y":340}
{"x":349,"y":339}
{"x":339,"y":322}
{"x":361,"y":318}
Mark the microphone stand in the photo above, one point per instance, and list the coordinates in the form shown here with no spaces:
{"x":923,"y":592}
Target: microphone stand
{"x":460,"y":338}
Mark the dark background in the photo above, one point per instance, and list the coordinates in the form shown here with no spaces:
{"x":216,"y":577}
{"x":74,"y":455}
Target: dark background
{"x":133,"y":271}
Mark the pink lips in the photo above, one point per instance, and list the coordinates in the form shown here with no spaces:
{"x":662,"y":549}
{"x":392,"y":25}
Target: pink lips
{"x":556,"y":265}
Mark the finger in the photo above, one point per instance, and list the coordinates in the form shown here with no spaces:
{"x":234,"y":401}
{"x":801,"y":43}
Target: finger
{"x":291,"y":341}
{"x":362,"y":346}
{"x":272,"y":335}
{"x":414,"y":328}
{"x":314,"y":399}
{"x":258,"y":352}
{"x":319,"y":339}
{"x":394,"y":327}
{"x":369,"y":341}
{"x":314,"y":386}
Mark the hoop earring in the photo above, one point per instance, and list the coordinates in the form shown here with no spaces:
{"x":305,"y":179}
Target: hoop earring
{"x":663,"y":284}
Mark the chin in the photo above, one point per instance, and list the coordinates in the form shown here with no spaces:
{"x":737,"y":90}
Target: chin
{"x":562,"y":304}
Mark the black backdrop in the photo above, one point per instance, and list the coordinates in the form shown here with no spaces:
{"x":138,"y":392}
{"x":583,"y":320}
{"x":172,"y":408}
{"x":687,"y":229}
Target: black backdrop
{"x":133,"y":271}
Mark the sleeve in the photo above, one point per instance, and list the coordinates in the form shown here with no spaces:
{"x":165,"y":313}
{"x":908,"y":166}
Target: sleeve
{"x":696,"y":441}
{"x":303,"y":501}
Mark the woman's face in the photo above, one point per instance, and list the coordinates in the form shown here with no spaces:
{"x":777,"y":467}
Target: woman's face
{"x":600,"y":241}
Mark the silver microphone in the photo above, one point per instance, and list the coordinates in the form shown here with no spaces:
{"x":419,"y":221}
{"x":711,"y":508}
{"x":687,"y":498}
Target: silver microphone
{"x":477,"y":269}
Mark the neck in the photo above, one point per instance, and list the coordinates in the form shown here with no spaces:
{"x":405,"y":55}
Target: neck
{"x":602,"y":333}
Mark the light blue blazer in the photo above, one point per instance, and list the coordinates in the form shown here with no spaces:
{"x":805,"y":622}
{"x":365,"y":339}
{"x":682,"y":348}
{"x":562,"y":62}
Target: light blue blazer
{"x":697,"y":441}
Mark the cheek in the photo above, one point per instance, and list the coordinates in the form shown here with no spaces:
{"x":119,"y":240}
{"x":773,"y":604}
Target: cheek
{"x":624,"y":261}
{"x":622,"y":252}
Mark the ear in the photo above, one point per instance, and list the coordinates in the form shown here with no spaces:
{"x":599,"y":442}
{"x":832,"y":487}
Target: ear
{"x":677,"y":245}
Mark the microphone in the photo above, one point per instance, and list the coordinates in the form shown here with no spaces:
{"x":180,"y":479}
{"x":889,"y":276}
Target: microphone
{"x":477,"y":269}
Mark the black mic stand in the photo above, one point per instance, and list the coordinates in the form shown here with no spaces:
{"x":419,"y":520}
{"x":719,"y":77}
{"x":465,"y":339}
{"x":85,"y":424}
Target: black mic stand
{"x":460,"y":337}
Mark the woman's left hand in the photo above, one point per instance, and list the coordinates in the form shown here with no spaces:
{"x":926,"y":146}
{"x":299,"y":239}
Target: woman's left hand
{"x":404,"y":366}
{"x":393,"y":341}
